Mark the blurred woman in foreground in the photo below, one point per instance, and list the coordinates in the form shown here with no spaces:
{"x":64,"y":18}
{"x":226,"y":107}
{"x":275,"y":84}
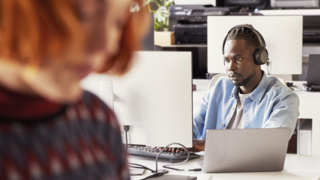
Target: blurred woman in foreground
{"x":49,"y":127}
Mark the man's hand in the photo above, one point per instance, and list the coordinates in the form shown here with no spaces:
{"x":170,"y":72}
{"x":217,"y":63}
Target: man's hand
{"x":198,"y":145}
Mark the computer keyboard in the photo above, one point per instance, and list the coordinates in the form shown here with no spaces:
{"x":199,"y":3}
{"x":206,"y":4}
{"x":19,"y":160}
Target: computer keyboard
{"x":153,"y":152}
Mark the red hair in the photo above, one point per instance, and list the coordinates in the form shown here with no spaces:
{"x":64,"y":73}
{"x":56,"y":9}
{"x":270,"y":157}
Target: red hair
{"x":33,"y":30}
{"x":133,"y":32}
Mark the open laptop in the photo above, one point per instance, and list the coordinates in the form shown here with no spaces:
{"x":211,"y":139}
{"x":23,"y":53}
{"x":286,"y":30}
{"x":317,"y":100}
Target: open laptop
{"x":313,"y":80}
{"x":245,"y":150}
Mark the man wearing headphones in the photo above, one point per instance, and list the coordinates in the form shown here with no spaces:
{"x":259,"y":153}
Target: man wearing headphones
{"x":247,"y":98}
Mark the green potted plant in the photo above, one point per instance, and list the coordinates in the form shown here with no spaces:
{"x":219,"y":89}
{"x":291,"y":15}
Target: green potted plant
{"x":161,"y":13}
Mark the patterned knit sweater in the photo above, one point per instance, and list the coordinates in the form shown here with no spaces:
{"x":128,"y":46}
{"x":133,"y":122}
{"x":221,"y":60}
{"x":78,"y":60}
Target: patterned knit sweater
{"x":43,"y":140}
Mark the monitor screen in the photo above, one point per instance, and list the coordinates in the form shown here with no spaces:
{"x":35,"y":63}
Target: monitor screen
{"x":243,"y":2}
{"x":282,"y":34}
{"x":154,"y":98}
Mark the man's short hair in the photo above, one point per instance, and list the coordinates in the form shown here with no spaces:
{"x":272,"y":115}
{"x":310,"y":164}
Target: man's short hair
{"x":244,"y":33}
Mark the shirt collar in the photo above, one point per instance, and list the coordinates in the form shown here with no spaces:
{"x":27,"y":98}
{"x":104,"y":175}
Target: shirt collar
{"x":258,"y":92}
{"x":24,"y":107}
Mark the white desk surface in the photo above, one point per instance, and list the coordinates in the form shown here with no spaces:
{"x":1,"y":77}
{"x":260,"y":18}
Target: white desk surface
{"x":296,"y":168}
{"x":309,"y":107}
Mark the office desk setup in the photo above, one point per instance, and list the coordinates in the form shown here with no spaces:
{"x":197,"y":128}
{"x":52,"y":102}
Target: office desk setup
{"x":296,"y":167}
{"x":309,"y":107}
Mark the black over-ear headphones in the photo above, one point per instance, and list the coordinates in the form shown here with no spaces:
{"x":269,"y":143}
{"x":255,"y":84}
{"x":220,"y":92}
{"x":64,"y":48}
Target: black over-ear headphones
{"x":260,"y":55}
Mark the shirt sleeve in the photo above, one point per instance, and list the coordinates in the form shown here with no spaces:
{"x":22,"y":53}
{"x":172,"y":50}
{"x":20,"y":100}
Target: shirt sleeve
{"x":285,"y":112}
{"x":199,"y":116}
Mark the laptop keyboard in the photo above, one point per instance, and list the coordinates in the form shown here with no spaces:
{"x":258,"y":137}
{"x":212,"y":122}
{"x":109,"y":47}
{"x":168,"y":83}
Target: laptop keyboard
{"x":149,"y":151}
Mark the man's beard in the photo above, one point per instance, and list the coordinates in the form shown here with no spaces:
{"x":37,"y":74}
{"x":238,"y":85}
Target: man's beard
{"x":244,"y":81}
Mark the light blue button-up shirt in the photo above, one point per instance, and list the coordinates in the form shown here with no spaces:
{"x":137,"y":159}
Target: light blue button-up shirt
{"x":270,"y":105}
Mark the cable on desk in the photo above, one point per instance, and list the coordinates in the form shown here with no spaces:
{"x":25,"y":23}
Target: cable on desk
{"x":154,"y":175}
{"x":175,"y":164}
{"x":157,"y":173}
{"x":139,"y":166}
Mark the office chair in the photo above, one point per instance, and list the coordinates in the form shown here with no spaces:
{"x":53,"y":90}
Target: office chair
{"x":214,"y":80}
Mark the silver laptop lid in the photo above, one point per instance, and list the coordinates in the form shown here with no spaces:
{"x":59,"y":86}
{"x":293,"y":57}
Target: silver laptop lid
{"x":245,"y":150}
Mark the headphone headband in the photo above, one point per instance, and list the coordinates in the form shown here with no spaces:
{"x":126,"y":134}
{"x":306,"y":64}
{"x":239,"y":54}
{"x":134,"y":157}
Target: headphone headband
{"x":249,"y":26}
{"x":261,"y":56}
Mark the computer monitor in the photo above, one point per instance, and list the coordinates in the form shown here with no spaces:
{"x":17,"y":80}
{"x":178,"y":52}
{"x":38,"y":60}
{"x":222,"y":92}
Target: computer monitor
{"x":154,"y":98}
{"x":282,"y":34}
{"x":243,"y":2}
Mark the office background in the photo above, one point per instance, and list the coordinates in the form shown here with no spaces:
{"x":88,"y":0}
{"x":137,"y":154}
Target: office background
{"x":311,"y":30}
{"x":194,"y":39}
{"x":188,"y":26}
{"x":296,"y":166}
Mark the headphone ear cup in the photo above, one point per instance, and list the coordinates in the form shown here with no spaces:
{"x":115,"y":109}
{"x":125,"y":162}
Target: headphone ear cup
{"x":260,"y":56}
